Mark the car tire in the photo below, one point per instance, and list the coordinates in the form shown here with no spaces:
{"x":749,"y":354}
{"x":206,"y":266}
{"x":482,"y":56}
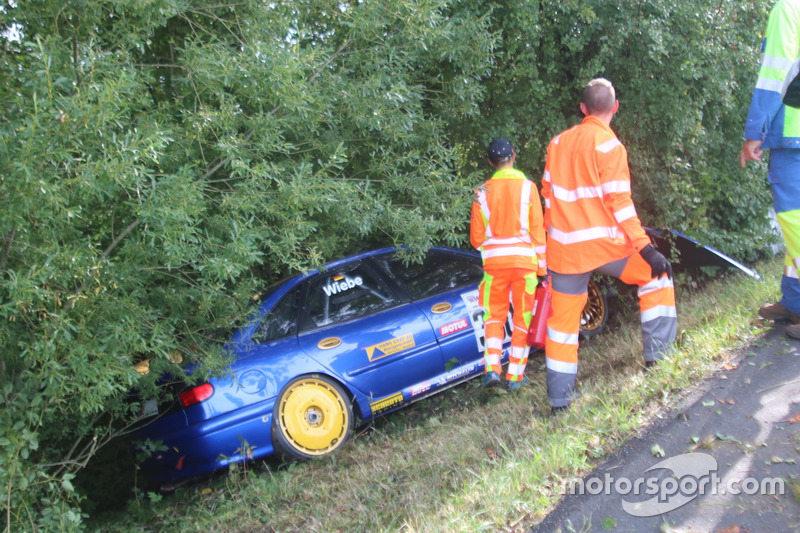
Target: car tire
{"x":595,"y":313}
{"x":313,"y":416}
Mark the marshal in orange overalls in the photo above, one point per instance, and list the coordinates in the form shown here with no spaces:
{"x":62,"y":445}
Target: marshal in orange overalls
{"x":507,"y":227}
{"x":592,"y":225}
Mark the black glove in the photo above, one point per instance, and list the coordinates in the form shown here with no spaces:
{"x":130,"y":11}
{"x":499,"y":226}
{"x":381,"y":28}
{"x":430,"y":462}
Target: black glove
{"x":658,"y":263}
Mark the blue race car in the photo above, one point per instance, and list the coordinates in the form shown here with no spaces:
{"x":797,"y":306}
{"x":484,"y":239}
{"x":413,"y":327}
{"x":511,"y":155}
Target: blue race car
{"x":326,"y":350}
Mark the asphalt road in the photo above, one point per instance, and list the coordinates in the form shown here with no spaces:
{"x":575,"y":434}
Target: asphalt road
{"x":725,"y":460}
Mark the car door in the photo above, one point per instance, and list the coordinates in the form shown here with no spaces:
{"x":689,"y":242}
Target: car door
{"x":355,"y":324}
{"x":445,"y":289}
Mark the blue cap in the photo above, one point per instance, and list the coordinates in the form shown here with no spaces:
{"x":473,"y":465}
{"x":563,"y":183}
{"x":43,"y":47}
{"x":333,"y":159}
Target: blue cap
{"x":500,"y":150}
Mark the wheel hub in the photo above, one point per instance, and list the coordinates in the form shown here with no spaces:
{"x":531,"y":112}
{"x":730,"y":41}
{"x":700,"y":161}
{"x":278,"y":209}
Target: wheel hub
{"x":313,"y":417}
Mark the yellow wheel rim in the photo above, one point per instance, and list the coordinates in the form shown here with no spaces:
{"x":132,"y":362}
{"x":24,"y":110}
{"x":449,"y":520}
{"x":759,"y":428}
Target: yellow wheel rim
{"x":313,"y":417}
{"x":595,"y":309}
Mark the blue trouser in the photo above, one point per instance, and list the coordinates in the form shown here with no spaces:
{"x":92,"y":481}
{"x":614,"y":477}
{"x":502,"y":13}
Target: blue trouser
{"x":784,"y":178}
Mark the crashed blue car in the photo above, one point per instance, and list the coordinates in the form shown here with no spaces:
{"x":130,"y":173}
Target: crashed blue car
{"x":324,"y":352}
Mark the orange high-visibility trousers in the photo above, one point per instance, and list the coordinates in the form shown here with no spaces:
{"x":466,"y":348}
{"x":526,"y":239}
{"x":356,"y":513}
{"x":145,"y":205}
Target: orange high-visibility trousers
{"x":494,"y":292}
{"x":569,"y":293}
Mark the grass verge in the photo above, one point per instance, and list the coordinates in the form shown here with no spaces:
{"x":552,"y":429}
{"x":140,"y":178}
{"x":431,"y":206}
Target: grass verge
{"x":470,"y":459}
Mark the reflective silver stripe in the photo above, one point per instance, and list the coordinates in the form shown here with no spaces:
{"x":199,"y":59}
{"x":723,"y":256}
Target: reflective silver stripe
{"x":796,"y":262}
{"x":547,"y":203}
{"x":608,"y":145}
{"x":494,"y":344}
{"x":525,"y":239}
{"x":556,"y":138}
{"x":616,"y":186}
{"x":519,"y":352}
{"x":524,"y":206}
{"x":655,"y":285}
{"x":561,"y":337}
{"x":572,"y":237}
{"x":559,"y":366}
{"x":781,"y":63}
{"x":546,"y":176}
{"x":542,"y":263}
{"x":791,"y":74}
{"x":766,"y":84}
{"x":519,"y":329}
{"x":659,"y":311}
{"x":485,"y":210}
{"x":573,"y":195}
{"x":567,"y":195}
{"x":790,"y":272}
{"x":491,"y":359}
{"x":540,"y":249}
{"x":625,"y":214}
{"x":515,"y":369}
{"x":505,"y":252}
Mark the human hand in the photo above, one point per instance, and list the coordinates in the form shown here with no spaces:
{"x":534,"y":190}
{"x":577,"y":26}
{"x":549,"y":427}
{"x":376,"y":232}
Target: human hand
{"x":751,"y":151}
{"x":658,"y":263}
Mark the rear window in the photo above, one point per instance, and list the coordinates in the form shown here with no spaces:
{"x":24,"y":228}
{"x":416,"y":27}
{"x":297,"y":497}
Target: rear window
{"x":440,"y":271}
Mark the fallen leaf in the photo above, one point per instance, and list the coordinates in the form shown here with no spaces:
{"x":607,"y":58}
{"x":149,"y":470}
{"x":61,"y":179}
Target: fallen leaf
{"x":657,"y":451}
{"x":608,"y":524}
{"x":492,"y":454}
{"x":730,"y":529}
{"x":730,"y":366}
{"x":795,"y":419}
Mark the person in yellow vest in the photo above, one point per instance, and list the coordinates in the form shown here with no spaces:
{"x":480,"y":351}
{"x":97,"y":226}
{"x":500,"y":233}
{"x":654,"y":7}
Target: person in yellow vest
{"x":592,"y":225}
{"x":773,"y":123}
{"x":506,"y":226}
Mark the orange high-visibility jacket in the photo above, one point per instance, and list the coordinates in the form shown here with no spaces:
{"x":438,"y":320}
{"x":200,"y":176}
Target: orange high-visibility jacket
{"x":507,"y":223}
{"x":589,"y":212}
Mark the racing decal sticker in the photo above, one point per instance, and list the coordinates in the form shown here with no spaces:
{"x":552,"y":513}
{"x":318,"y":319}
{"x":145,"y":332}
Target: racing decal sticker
{"x":456,"y":374}
{"x":390,"y":347}
{"x":453,"y":327}
{"x":416,"y":390}
{"x":386,"y":403}
{"x":476,"y":316}
{"x":340,"y":283}
{"x":476,"y":313}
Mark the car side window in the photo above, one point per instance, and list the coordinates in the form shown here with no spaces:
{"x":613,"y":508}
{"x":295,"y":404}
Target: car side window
{"x":280,"y":321}
{"x":346,"y":293}
{"x":439,"y":272}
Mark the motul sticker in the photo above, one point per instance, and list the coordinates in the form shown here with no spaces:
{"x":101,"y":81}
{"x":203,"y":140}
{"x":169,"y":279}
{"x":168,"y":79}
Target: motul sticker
{"x":453,"y":327}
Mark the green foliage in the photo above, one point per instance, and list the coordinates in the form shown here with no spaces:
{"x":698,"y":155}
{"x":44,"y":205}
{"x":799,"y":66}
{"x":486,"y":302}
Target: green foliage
{"x":684,"y":73}
{"x":163,"y":160}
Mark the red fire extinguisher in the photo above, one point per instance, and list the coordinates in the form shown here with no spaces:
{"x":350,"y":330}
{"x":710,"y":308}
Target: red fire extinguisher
{"x":542,"y":309}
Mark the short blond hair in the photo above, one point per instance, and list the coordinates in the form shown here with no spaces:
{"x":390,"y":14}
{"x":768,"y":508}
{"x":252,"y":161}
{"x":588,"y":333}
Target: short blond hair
{"x":599,"y":96}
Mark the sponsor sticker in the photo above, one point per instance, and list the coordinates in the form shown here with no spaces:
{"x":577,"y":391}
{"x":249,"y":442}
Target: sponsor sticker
{"x":390,"y":347}
{"x":457,"y":374}
{"x":416,"y":390}
{"x":453,"y":327}
{"x":340,"y":283}
{"x":387,"y":403}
